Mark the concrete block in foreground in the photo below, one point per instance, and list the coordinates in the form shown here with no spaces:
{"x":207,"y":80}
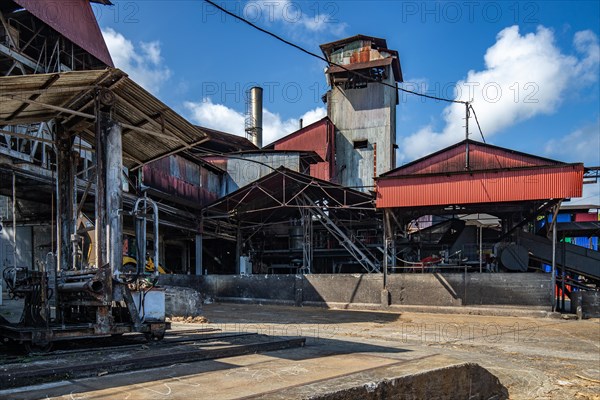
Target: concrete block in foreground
{"x":182,"y":302}
{"x":436,"y":377}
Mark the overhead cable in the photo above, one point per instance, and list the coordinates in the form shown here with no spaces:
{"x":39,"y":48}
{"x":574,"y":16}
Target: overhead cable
{"x":310,"y":53}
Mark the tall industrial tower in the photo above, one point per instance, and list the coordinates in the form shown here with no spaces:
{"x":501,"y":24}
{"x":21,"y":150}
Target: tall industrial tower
{"x":362,"y":109}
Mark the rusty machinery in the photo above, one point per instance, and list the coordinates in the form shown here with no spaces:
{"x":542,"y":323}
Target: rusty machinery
{"x":69,"y":299}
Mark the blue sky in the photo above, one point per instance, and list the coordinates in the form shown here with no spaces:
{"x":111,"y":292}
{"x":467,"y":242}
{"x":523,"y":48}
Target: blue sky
{"x":531,"y":68}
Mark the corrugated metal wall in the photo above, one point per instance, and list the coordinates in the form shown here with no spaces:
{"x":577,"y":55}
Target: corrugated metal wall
{"x":490,"y":187}
{"x":251,"y":167}
{"x":183,"y":178}
{"x":363,"y":114}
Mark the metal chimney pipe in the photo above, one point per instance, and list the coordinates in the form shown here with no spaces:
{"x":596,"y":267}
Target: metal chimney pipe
{"x":256,"y":115}
{"x":301,"y":123}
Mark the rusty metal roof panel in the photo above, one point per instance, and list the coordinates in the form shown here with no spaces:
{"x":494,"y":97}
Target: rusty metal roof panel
{"x":226,"y":141}
{"x":522,"y":184}
{"x":327,"y":48}
{"x":75,"y":20}
{"x":361,"y":52}
{"x":481,"y":157}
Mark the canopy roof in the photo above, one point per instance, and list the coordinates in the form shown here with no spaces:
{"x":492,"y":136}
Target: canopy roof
{"x":151,"y":130}
{"x":470,"y":173}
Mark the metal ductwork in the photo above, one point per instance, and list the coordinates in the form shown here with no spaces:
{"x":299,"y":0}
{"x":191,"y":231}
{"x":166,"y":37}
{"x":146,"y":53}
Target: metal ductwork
{"x":254,"y":116}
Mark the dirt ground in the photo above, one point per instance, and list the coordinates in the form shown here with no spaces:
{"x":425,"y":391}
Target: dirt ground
{"x":535,"y":358}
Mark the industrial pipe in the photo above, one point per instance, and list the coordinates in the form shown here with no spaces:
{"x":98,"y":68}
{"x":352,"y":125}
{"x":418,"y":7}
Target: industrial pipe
{"x":255,"y":119}
{"x":93,"y":286}
{"x":154,"y":206}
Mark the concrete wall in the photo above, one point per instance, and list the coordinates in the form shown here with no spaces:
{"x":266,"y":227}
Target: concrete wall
{"x":356,"y":290}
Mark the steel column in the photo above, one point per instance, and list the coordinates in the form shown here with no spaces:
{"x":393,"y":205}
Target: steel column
{"x":65,"y":200}
{"x":114,"y":198}
{"x":103,"y":124}
{"x":198,"y":247}
{"x":554,"y":215}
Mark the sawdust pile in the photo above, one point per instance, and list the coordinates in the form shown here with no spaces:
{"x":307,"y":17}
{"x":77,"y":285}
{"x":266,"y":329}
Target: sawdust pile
{"x":189,"y":320}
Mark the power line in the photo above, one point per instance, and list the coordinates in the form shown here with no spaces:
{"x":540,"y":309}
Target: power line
{"x":477,"y":121}
{"x":355,"y":73}
{"x":310,"y":53}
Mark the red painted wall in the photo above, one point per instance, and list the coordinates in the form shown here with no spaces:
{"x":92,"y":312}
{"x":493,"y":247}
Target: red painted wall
{"x":317,"y":137}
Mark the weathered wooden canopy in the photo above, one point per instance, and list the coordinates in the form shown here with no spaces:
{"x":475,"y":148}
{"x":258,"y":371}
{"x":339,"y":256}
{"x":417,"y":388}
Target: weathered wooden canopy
{"x":151,"y":130}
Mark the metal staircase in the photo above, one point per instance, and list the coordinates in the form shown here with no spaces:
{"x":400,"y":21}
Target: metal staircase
{"x":356,"y":248}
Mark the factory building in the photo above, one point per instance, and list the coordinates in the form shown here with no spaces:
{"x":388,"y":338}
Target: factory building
{"x":97,"y":174}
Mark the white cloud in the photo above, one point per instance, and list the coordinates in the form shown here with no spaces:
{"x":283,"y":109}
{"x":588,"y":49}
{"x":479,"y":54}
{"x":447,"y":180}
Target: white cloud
{"x":144,"y":64}
{"x":297,"y":16}
{"x":216,"y":116}
{"x":591,"y":195}
{"x":525,"y":75}
{"x":581,"y":145}
{"x":219,"y":117}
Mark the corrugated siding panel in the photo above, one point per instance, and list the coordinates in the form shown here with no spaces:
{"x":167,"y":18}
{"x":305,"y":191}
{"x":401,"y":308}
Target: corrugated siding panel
{"x":505,"y":186}
{"x":320,"y":170}
{"x":182,"y":178}
{"x":480,"y":158}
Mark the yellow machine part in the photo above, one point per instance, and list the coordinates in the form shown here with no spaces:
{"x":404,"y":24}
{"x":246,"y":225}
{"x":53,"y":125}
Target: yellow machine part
{"x":127,"y":260}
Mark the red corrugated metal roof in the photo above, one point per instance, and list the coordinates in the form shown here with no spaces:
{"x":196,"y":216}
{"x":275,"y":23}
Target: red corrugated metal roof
{"x":482,"y":156}
{"x":317,"y":137}
{"x":75,"y":20}
{"x":496,"y":175}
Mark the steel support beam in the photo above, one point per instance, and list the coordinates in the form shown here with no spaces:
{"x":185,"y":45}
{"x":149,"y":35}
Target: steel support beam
{"x":198,"y":251}
{"x":554,"y":215}
{"x":64,"y":199}
{"x":307,"y":245}
{"x":114,"y":198}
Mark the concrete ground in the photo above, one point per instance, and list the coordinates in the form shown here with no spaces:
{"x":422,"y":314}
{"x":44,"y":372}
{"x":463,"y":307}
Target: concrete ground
{"x":534,"y":358}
